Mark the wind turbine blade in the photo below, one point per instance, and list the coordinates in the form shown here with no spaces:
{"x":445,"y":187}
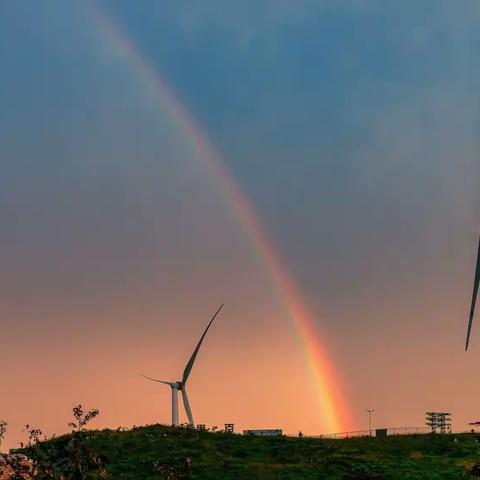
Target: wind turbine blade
{"x":190,"y":363}
{"x":155,"y":380}
{"x":188,"y":410}
{"x":474,"y":297}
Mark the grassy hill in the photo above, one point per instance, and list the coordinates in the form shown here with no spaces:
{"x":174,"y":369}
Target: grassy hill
{"x":157,"y":451}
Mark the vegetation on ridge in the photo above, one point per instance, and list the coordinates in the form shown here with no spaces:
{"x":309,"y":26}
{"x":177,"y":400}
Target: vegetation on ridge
{"x":157,"y":451}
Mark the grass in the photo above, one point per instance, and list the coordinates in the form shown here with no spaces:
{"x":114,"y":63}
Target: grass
{"x":158,"y":451}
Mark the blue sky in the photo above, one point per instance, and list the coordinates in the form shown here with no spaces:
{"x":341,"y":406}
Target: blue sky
{"x":353,"y":125}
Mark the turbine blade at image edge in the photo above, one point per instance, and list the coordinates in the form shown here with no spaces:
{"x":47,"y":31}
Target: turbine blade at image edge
{"x":190,"y":363}
{"x":474,"y":297}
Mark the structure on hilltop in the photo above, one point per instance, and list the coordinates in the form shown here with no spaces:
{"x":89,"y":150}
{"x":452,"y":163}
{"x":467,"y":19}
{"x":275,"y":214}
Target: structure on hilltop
{"x":439,"y":421}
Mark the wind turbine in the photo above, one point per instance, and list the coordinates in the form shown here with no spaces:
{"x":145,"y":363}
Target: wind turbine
{"x":474,"y":297}
{"x":180,"y":385}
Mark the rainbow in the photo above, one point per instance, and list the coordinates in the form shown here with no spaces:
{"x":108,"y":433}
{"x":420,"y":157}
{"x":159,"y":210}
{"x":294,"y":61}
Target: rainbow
{"x":332,"y":407}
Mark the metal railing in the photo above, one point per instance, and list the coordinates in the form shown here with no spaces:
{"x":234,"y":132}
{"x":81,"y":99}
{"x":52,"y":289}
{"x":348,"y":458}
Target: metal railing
{"x":384,"y":432}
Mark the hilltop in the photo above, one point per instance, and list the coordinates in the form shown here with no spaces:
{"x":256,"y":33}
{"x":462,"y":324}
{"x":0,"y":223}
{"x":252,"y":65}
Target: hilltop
{"x":157,"y":451}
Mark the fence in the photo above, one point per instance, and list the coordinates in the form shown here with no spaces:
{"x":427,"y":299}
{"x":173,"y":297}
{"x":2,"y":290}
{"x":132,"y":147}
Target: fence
{"x":381,"y":432}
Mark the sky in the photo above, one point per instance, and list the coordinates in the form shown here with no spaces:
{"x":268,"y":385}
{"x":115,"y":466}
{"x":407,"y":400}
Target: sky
{"x":352,"y":129}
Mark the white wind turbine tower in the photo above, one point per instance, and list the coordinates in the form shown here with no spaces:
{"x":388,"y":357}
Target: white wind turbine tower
{"x":180,"y":385}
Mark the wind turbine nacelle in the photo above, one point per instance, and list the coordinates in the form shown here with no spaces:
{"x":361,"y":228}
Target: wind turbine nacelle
{"x":177,"y":385}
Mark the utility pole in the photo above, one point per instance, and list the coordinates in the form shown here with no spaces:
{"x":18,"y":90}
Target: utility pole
{"x":370,"y":411}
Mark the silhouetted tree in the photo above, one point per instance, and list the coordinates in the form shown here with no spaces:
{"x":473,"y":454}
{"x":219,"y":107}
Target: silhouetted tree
{"x":66,"y":458}
{"x":3,"y":431}
{"x":82,"y":418}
